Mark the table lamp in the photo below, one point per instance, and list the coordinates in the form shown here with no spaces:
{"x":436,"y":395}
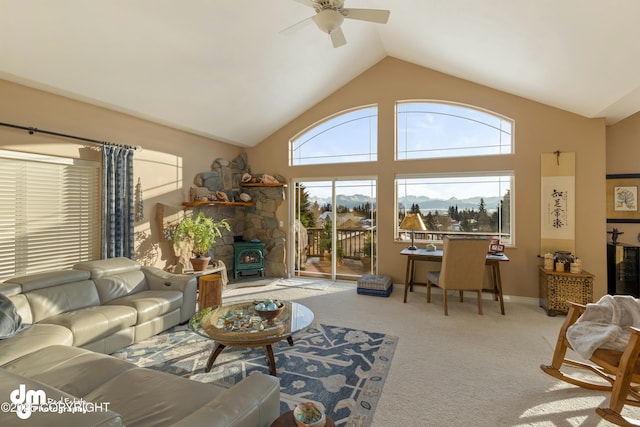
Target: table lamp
{"x":413,"y":222}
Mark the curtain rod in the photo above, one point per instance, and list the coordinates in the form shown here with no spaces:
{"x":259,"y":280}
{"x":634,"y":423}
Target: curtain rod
{"x":33,"y":130}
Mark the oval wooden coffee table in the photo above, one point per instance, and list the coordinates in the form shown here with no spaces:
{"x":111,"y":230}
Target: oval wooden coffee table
{"x":286,"y":420}
{"x":238,"y":325}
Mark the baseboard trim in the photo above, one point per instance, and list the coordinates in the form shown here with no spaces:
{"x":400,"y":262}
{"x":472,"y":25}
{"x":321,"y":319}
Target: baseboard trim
{"x":488,"y":296}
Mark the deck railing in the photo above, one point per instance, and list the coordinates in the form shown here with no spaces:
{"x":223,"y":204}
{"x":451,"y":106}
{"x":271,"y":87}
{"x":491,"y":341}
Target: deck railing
{"x":435,"y":236}
{"x":350,"y":241}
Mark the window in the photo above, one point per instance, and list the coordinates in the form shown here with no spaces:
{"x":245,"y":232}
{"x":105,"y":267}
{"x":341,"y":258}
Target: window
{"x":428,"y":130}
{"x":347,"y":137}
{"x":49,"y":213}
{"x":478,"y":203}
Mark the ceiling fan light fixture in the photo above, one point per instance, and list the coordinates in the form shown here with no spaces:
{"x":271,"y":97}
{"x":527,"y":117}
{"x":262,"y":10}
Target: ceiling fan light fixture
{"x":328,"y":20}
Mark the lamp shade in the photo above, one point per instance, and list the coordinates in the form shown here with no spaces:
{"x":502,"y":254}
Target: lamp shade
{"x":413,"y":222}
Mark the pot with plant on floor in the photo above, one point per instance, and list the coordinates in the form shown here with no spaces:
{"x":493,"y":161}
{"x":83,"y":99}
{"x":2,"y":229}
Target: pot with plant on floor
{"x":368,"y":252}
{"x":199,"y":232}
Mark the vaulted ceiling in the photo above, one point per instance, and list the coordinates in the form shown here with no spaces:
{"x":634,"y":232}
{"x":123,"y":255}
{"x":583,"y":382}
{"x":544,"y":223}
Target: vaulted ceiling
{"x":224,"y":70}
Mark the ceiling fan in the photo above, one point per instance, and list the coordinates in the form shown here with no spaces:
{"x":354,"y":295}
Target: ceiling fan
{"x":330,"y":14}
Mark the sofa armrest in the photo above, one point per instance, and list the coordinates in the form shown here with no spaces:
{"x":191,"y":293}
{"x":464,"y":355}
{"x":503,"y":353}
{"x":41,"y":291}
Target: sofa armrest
{"x":253,"y":402}
{"x":159,"y":279}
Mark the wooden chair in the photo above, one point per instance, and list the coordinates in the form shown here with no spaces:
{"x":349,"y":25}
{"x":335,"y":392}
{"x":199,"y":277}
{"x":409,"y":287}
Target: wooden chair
{"x":462,"y":269}
{"x":619,"y":370}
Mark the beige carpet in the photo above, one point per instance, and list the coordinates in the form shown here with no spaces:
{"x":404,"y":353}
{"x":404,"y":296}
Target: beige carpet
{"x":459,"y":370}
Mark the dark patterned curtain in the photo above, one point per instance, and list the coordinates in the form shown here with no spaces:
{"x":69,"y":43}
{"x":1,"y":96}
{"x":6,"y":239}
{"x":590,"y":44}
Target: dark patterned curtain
{"x":117,"y":202}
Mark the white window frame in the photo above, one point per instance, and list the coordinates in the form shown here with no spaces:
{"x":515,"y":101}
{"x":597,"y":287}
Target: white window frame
{"x":455,"y":144}
{"x":436,"y":237}
{"x":49,"y":212}
{"x":314,"y":133}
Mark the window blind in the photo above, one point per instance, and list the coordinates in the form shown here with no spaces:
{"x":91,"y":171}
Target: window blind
{"x":49,"y":213}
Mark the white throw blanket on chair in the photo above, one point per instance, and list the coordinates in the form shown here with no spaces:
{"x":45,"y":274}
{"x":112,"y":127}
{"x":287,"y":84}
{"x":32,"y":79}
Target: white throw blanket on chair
{"x":605,"y":324}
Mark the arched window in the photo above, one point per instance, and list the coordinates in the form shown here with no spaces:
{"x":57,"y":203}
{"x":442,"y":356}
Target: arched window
{"x":350,"y":136}
{"x":436,"y":129}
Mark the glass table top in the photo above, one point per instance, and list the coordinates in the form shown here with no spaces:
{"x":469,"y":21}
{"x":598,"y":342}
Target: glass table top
{"x":240,"y":323}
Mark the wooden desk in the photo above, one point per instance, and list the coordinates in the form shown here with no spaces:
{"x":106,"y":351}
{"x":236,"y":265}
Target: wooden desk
{"x":493,"y":261}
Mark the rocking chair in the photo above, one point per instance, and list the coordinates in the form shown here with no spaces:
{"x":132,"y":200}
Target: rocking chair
{"x":620,"y":369}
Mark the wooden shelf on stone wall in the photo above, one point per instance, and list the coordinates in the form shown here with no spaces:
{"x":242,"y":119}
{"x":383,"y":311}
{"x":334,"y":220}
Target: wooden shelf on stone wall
{"x":194,"y":204}
{"x":257,"y":184}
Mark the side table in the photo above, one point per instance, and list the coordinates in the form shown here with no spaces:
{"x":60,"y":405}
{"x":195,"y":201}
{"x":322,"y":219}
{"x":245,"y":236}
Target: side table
{"x":558,"y":287}
{"x":286,"y":420}
{"x":210,"y":290}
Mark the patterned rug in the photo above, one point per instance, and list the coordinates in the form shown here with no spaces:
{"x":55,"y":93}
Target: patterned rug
{"x":339,"y":368}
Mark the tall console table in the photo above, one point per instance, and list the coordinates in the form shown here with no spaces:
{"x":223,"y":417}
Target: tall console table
{"x":623,"y":269}
{"x":558,"y":287}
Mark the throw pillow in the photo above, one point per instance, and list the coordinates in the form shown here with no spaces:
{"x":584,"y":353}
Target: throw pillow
{"x":10,"y":320}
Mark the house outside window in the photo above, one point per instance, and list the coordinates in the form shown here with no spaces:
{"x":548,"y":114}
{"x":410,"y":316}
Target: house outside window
{"x":462,"y":203}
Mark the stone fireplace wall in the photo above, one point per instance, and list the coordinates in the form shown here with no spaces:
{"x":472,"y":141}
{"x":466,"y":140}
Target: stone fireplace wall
{"x":257,"y":221}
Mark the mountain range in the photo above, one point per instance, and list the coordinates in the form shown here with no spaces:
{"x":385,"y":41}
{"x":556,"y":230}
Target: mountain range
{"x":425,"y":203}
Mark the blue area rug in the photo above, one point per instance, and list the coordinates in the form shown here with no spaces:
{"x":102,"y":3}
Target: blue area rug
{"x":339,"y":368}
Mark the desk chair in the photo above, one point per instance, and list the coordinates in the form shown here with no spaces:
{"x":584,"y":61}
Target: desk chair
{"x":462,"y":269}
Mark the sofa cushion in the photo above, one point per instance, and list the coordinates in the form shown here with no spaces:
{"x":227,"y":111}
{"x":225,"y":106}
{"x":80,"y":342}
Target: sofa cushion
{"x":73,"y":370}
{"x":34,"y":338}
{"x":23,"y":307}
{"x":151,"y":304}
{"x":10,"y":320}
{"x":107,"y":267}
{"x":9,"y":382}
{"x":58,"y":299}
{"x":120,"y":285}
{"x":92,"y":323}
{"x":259,"y":405}
{"x":145,"y":397}
{"x":31,"y":282}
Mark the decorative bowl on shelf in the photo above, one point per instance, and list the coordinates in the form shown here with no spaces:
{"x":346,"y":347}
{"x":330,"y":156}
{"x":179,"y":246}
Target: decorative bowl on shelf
{"x":269,"y":310}
{"x":307,"y":414}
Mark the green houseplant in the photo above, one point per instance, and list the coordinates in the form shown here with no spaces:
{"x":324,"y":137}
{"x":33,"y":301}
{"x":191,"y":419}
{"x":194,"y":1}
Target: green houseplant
{"x":199,"y":232}
{"x":368,"y":252}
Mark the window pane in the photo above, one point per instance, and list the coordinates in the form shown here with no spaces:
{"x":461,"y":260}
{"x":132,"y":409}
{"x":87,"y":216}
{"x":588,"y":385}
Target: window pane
{"x":348,"y":137}
{"x":435,"y":130}
{"x":49,"y":213}
{"x":464,"y":204}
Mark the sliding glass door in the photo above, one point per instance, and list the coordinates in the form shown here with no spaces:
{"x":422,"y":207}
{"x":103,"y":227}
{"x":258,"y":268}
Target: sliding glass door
{"x":334,"y":228}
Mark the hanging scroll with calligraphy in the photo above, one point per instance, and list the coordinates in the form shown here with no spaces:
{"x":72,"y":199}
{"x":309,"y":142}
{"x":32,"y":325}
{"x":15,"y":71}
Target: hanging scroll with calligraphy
{"x":557,"y":202}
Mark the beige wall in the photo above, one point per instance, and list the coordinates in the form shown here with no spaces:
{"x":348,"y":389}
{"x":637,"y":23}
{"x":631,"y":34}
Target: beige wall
{"x":166,"y":165}
{"x":171,"y":158}
{"x":538,"y":129}
{"x":623,"y":157}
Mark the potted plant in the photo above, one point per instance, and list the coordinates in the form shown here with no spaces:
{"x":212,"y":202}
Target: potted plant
{"x":199,"y":233}
{"x":368,"y":252}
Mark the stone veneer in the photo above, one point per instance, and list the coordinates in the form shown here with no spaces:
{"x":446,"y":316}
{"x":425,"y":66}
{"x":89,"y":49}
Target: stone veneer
{"x":247,"y":222}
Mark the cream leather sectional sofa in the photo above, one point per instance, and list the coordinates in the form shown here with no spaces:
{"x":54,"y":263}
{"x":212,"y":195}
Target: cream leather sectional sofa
{"x":99,"y":307}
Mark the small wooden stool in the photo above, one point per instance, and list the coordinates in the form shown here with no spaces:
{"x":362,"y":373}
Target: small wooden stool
{"x":210,"y":291}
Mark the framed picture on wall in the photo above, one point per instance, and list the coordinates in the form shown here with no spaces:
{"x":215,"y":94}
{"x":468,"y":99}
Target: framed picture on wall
{"x":622,"y":198}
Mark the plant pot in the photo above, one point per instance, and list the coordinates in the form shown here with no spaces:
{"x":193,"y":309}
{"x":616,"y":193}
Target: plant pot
{"x":200,"y":263}
{"x":366,"y":262}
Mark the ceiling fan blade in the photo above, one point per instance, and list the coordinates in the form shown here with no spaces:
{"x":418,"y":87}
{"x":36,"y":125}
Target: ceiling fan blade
{"x":309,"y":3}
{"x":372,"y":15}
{"x":337,"y":37}
{"x":295,"y":27}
